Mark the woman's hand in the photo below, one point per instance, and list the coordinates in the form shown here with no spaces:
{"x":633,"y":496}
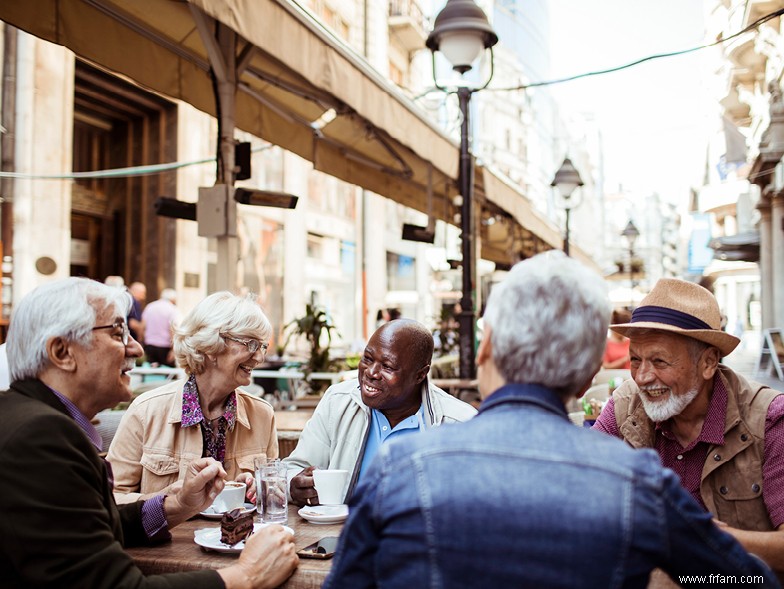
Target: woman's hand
{"x":250,"y":486}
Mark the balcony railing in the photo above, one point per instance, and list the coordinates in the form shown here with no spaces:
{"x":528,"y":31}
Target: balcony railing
{"x":408,"y":20}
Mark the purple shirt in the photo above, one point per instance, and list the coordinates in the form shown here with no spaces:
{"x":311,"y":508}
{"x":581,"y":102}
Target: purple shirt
{"x":688,"y":462}
{"x":153,"y":516}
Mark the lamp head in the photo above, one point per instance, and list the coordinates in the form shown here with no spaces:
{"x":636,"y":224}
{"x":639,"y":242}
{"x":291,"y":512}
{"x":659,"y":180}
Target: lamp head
{"x":461,"y":32}
{"x":631,"y":233}
{"x":567,"y":178}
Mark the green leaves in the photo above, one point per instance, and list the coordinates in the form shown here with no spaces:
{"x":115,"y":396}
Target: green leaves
{"x":315,"y":326}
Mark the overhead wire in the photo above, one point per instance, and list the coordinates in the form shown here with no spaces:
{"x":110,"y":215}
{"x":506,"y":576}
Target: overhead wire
{"x":118,"y":172}
{"x":751,"y":27}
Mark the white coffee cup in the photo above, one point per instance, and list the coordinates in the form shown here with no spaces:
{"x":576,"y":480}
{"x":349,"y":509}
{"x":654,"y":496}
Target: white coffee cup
{"x":330,"y":485}
{"x":232,"y":497}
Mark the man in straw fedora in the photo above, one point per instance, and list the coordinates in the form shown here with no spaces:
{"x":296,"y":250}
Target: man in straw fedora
{"x":722,"y":434}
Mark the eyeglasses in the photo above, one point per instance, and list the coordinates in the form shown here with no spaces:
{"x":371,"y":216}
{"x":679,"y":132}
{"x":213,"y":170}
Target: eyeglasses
{"x":252,"y":344}
{"x":122,"y":325}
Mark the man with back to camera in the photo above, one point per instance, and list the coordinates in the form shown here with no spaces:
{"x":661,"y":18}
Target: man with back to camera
{"x":518,"y":496}
{"x":69,"y":352}
{"x":391,"y":397}
{"x":723,"y":435}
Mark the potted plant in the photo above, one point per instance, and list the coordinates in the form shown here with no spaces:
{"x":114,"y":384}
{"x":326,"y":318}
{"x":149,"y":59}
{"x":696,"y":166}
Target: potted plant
{"x":315,"y":326}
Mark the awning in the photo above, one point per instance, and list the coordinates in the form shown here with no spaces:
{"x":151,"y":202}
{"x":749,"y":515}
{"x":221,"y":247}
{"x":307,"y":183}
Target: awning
{"x":300,"y":87}
{"x":743,"y":247}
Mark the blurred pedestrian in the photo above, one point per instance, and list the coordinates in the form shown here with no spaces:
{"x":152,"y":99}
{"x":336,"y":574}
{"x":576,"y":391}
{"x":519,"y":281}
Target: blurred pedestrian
{"x":616,"y":349}
{"x":159,"y":318}
{"x":139,"y":293}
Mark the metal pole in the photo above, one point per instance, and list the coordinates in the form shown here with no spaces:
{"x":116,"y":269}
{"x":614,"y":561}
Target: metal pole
{"x":566,"y":240}
{"x":466,"y":316}
{"x":631,"y":275}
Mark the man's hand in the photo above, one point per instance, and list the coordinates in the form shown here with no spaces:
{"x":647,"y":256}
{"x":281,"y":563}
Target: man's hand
{"x":268,"y":559}
{"x":202,"y":483}
{"x":302,"y":489}
{"x":769,"y":546}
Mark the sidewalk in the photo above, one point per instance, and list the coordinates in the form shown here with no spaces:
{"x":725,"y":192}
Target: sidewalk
{"x":744,"y":359}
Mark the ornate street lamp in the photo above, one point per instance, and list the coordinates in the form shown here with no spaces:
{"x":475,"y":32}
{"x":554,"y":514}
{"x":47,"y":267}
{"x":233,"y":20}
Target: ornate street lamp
{"x":631,"y":233}
{"x":566,"y":180}
{"x":461,"y":32}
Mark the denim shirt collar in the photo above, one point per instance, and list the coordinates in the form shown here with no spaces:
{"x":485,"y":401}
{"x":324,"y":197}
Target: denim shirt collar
{"x":532,"y":394}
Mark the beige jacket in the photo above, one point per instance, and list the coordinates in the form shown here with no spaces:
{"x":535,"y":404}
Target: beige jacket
{"x":150,"y":451}
{"x":731,"y":483}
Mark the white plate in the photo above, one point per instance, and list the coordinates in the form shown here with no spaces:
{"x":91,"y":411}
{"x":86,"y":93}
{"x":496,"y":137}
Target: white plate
{"x":324,"y":514}
{"x":209,"y":538}
{"x":210,"y":512}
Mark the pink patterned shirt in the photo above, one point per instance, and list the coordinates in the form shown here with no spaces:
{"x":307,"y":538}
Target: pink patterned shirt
{"x":688,"y":462}
{"x":213,"y":434}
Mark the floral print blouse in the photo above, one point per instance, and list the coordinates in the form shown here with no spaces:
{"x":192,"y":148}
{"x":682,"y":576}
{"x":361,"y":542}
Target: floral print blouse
{"x":213,"y":432}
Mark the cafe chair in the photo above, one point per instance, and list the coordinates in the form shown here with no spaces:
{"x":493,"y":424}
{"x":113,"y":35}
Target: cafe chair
{"x":600,"y":392}
{"x":106,"y":423}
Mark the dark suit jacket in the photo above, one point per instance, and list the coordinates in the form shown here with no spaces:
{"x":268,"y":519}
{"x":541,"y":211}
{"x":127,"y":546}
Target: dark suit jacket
{"x":59,"y":524}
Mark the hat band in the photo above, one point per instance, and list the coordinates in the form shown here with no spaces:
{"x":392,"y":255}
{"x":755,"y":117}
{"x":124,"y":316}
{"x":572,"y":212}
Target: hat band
{"x":654,"y":314}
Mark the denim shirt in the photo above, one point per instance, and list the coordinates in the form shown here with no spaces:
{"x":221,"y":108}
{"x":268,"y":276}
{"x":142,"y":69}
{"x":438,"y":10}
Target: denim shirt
{"x":520,"y":497}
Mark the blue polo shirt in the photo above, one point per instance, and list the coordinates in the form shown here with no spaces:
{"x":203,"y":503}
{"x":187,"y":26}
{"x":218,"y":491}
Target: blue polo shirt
{"x":380,"y":432}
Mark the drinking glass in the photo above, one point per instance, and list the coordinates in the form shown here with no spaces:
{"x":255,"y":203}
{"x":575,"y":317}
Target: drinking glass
{"x":271,"y":483}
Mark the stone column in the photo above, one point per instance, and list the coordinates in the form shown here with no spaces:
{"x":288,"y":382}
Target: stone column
{"x":766,"y":260}
{"x":777,"y":258}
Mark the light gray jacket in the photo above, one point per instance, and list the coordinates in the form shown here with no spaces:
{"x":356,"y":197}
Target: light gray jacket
{"x":336,"y":435}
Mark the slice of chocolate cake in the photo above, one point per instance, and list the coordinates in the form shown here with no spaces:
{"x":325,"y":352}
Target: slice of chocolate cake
{"x":236,"y":525}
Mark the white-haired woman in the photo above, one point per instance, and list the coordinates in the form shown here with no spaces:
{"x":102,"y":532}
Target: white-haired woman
{"x":218,"y":344}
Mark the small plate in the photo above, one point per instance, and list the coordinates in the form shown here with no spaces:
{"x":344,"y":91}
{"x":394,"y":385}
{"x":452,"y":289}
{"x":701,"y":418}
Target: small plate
{"x":210,"y":512}
{"x":324,"y":514}
{"x":209,"y":538}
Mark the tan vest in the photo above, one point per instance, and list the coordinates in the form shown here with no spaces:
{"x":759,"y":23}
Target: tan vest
{"x":731,"y":480}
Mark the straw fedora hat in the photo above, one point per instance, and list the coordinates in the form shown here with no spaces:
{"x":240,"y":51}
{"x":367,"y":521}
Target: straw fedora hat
{"x":681,"y":307}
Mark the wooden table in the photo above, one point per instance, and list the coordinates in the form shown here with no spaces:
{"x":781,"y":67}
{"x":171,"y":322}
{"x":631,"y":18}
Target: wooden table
{"x":183,"y":554}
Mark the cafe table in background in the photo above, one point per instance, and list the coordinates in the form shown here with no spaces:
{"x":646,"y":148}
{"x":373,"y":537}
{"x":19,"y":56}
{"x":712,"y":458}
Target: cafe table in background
{"x":183,"y":554}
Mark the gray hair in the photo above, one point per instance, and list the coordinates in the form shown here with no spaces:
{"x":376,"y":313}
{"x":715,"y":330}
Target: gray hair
{"x":549,"y":320}
{"x":199,"y":334}
{"x":64,"y":308}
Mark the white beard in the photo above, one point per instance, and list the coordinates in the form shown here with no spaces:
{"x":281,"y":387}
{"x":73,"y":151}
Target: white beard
{"x":664,"y":410}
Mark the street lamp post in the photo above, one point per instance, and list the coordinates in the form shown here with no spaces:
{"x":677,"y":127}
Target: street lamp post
{"x":461,"y":32}
{"x":631,"y":233}
{"x":566,"y":180}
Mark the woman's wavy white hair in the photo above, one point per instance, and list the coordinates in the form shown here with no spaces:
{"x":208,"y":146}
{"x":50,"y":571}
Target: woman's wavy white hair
{"x":64,"y":308}
{"x":199,"y":334}
{"x":549,"y":320}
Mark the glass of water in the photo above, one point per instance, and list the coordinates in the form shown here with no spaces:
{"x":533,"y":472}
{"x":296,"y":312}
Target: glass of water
{"x":271,"y":491}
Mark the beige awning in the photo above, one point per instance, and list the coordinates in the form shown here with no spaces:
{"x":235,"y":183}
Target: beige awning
{"x":294,"y":74}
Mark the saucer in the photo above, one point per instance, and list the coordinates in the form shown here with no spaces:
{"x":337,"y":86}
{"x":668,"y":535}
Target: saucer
{"x":324,"y":514}
{"x":209,"y":538}
{"x":210,"y":512}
